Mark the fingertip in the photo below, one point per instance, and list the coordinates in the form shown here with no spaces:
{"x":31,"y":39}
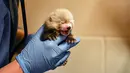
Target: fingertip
{"x":77,"y":40}
{"x":60,"y":62}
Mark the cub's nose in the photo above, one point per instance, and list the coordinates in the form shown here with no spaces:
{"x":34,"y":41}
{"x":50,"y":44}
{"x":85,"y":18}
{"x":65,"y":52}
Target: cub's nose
{"x":68,"y":28}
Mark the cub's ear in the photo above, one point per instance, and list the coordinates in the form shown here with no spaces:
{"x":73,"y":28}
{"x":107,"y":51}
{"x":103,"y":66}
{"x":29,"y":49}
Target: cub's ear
{"x":50,"y":19}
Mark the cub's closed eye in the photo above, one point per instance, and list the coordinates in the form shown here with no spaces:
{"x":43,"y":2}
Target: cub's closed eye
{"x":62,"y":22}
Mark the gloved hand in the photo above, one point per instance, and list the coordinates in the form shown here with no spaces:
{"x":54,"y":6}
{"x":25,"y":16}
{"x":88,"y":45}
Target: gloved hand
{"x":40,"y":56}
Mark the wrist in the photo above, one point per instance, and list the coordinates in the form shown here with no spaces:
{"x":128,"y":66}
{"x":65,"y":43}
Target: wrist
{"x":18,"y":67}
{"x":13,"y":67}
{"x":21,"y":64}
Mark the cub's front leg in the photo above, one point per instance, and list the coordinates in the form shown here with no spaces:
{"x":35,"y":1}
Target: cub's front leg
{"x":50,"y":33}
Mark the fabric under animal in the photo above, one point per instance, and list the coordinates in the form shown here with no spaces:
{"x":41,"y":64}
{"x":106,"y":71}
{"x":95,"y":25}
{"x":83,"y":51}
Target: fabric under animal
{"x":59,"y":22}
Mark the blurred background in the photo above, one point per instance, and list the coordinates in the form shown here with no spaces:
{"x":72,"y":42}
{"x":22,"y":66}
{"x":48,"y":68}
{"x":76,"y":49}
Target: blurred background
{"x":102,"y":25}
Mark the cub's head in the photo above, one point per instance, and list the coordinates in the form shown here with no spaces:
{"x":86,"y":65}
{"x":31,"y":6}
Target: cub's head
{"x":62,"y":20}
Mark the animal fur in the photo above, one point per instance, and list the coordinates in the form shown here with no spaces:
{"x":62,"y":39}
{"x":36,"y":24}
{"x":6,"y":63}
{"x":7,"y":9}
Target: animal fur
{"x":59,"y":22}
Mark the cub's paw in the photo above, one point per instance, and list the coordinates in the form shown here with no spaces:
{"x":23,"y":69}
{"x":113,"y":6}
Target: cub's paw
{"x":65,"y":63}
{"x":70,"y":39}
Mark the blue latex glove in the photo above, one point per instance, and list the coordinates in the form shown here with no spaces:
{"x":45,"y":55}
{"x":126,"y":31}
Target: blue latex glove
{"x":40,"y":56}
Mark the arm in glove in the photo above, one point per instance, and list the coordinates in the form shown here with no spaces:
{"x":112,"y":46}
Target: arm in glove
{"x":40,"y":56}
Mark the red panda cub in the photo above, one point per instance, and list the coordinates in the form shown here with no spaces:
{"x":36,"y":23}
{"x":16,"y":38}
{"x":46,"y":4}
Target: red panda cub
{"x":59,"y":22}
